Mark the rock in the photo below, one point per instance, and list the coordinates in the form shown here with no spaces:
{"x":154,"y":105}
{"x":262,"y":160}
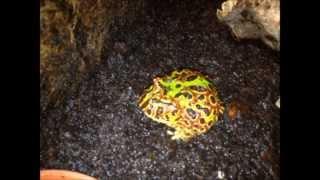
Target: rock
{"x":253,"y":19}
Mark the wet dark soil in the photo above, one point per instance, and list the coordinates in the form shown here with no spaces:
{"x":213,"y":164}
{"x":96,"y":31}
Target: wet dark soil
{"x":101,"y":131}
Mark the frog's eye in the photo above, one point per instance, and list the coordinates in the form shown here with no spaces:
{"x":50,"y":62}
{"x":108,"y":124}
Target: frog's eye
{"x":178,"y":85}
{"x":187,"y":95}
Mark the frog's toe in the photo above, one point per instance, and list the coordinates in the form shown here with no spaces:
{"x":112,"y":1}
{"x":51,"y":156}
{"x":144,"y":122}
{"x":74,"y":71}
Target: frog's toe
{"x":171,"y":133}
{"x":175,"y":137}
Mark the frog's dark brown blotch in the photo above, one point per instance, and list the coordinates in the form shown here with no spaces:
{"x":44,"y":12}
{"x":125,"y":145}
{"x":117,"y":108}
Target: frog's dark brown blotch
{"x":159,"y":111}
{"x":178,"y":94}
{"x":204,"y":109}
{"x":212,"y":87}
{"x":144,"y":104}
{"x":177,"y":119}
{"x":174,"y":112}
{"x":188,"y":95}
{"x":187,"y":134}
{"x":200,"y":130}
{"x":191,"y":113}
{"x":184,"y":74}
{"x":191,"y":77}
{"x":203,"y":129}
{"x":148,"y":111}
{"x":167,"y":117}
{"x":201,"y":97}
{"x":212,"y":99}
{"x":183,"y":124}
{"x":148,"y":90}
{"x":202,"y":121}
{"x":142,"y":97}
{"x":186,"y":122}
{"x":198,"y":88}
{"x":210,"y":123}
{"x":185,"y":94}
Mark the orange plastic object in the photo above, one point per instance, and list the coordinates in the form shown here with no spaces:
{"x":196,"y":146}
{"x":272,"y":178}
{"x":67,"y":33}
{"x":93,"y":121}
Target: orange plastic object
{"x":54,"y":174}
